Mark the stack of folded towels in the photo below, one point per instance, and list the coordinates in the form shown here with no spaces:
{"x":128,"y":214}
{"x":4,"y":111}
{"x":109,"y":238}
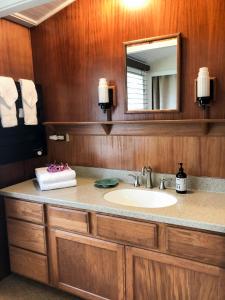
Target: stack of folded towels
{"x":55,"y":177}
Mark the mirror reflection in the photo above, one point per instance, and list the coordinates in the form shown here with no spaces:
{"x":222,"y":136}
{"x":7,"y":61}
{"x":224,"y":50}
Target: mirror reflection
{"x":152,"y":71}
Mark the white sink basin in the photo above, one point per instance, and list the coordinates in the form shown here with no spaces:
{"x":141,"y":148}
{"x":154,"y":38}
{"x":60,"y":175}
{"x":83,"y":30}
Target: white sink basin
{"x":140,"y":198}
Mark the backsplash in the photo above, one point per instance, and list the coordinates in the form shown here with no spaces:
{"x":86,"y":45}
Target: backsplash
{"x":207,"y":184}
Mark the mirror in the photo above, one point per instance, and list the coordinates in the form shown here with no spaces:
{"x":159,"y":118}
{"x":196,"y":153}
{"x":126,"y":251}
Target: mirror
{"x":153,"y":74}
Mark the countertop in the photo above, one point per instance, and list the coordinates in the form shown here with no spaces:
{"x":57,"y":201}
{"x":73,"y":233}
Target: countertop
{"x":201,"y":210}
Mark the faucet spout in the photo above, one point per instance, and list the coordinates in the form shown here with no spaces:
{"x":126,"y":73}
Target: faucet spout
{"x":147,"y":171}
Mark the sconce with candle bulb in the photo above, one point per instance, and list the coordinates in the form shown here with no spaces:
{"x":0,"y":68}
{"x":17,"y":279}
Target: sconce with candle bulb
{"x":204,"y":88}
{"x":106,"y":97}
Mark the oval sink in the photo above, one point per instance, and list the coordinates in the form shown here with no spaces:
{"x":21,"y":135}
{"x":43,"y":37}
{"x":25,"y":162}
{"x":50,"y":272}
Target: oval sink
{"x":140,"y":198}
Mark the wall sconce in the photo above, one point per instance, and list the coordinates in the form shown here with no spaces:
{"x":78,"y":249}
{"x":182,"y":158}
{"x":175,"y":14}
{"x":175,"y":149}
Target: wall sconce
{"x":106,"y":97}
{"x":204,"y":88}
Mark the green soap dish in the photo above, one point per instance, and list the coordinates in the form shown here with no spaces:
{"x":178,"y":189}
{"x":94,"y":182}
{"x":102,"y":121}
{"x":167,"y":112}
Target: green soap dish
{"x":106,"y":183}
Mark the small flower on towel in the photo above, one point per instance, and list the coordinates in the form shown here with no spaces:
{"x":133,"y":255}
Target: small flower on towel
{"x":52,"y":168}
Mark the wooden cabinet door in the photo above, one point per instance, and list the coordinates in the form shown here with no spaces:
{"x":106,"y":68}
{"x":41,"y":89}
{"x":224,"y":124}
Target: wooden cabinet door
{"x":87,"y":267}
{"x":156,"y":276}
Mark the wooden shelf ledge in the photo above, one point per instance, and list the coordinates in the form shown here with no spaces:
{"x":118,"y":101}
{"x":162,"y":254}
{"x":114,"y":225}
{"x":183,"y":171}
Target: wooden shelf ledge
{"x":188,"y":127}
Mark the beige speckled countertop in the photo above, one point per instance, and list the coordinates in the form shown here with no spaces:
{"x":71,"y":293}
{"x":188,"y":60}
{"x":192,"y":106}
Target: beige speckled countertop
{"x":202,"y":210}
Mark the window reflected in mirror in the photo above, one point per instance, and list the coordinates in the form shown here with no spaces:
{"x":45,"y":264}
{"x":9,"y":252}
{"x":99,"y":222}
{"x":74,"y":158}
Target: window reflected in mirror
{"x":153,"y":74}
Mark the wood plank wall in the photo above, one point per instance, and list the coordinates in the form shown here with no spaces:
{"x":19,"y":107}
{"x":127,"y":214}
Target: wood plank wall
{"x":16,"y":61}
{"x":84,"y":42}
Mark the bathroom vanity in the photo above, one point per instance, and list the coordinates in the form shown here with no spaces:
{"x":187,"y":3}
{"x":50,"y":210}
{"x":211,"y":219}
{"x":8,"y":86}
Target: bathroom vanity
{"x":75,"y":241}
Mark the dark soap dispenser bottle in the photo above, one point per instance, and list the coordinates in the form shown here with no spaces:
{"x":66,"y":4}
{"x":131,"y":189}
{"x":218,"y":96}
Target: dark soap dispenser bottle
{"x":181,"y":180}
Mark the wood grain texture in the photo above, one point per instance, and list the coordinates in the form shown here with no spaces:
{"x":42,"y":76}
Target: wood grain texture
{"x":141,"y":234}
{"x":200,"y":246}
{"x":16,"y":62}
{"x":29,"y":264}
{"x":27,"y":236}
{"x":15,"y":49}
{"x":85,"y":42}
{"x":156,"y":276}
{"x":87,"y":267}
{"x":27,"y":211}
{"x":68,"y":219}
{"x":202,"y":156}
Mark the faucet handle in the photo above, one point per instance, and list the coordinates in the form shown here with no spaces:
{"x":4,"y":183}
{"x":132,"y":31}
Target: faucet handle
{"x":149,"y":169}
{"x":162,"y":183}
{"x":136,"y":179}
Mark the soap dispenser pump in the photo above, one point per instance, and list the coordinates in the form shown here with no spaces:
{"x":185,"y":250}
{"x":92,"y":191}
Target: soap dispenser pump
{"x":181,"y":180}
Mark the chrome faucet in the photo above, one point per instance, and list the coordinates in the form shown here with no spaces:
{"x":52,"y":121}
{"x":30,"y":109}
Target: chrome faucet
{"x":147,"y":171}
{"x":136,"y":179}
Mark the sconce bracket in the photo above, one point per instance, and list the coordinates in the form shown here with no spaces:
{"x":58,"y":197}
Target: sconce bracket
{"x":107,"y":107}
{"x":205,"y":101}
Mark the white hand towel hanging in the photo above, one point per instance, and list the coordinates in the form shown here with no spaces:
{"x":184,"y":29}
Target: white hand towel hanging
{"x":8,"y":97}
{"x":29,"y":99}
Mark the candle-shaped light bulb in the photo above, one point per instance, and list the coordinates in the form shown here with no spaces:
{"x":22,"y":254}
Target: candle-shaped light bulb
{"x":103,"y":91}
{"x":203,"y":83}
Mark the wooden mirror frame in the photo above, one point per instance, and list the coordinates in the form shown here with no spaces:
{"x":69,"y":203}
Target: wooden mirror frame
{"x":158,"y":38}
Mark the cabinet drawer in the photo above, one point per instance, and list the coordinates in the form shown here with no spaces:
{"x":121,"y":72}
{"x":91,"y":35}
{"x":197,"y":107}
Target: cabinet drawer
{"x":29,"y":264}
{"x":127,"y":231}
{"x":28,"y":211}
{"x":26,"y":235}
{"x":200,"y":246}
{"x":68,"y":219}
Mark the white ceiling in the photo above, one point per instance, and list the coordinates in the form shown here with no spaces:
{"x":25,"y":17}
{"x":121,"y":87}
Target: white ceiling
{"x":35,"y":13}
{"x":151,"y":55}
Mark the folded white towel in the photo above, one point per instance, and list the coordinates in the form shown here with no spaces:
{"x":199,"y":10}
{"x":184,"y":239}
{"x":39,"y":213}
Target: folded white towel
{"x":8,"y":97}
{"x":29,"y":99}
{"x":45,"y":177}
{"x":57,"y":185}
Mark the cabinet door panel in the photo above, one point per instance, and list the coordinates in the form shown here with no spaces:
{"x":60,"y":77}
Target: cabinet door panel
{"x":87,"y":267}
{"x":158,"y":276}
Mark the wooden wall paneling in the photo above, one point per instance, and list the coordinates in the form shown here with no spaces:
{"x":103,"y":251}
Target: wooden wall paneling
{"x":87,"y":41}
{"x":212,"y":158}
{"x":202,"y":156}
{"x":16,"y":61}
{"x":132,"y":153}
{"x":15,"y":49}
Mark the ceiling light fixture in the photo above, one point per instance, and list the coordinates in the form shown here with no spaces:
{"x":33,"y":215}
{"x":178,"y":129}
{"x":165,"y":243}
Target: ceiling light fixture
{"x":134,"y":3}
